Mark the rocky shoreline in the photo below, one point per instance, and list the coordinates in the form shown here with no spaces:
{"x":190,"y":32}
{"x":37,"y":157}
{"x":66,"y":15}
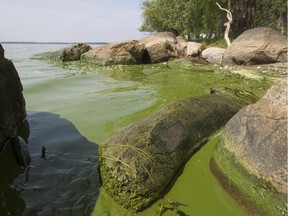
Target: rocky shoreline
{"x":255,"y":54}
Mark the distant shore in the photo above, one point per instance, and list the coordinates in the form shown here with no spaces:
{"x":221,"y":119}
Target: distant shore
{"x":31,"y":42}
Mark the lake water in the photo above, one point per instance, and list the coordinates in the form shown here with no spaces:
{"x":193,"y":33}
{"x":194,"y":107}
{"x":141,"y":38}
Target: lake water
{"x":74,"y":108}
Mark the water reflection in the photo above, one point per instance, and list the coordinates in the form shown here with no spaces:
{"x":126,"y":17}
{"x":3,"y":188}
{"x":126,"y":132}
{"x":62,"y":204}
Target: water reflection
{"x":65,"y":182}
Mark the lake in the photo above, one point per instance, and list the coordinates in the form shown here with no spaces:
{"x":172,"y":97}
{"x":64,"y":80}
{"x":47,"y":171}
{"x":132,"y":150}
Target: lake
{"x":73,"y":108}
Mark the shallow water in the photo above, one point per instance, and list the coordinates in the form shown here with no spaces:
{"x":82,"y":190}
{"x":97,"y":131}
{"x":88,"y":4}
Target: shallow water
{"x":73,"y":108}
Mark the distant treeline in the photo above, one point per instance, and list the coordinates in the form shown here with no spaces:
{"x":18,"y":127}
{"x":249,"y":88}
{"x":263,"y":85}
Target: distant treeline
{"x":27,"y":42}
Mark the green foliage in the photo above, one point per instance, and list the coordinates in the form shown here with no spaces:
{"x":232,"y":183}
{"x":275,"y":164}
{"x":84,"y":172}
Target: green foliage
{"x":196,"y":18}
{"x":269,"y":12}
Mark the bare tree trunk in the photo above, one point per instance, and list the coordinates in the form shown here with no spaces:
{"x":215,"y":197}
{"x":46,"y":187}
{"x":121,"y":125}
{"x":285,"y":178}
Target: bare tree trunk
{"x":227,"y":24}
{"x":244,"y":15}
{"x":281,"y":24}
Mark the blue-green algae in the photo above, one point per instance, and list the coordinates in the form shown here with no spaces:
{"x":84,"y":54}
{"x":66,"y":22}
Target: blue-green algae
{"x":195,"y":187}
{"x":100,"y":101}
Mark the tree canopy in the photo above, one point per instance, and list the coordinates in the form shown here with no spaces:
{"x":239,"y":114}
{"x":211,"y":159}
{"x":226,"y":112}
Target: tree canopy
{"x":202,"y":17}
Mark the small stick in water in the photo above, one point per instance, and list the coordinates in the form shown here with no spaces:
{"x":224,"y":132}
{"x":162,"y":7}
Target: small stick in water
{"x":43,"y":152}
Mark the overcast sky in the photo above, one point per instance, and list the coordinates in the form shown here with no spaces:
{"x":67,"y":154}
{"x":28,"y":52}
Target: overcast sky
{"x":70,"y":20}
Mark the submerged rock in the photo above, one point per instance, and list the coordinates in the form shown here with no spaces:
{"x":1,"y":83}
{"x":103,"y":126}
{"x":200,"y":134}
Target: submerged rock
{"x":138,"y":165}
{"x":251,"y":159}
{"x":70,"y":53}
{"x":12,"y":113}
{"x":257,"y":46}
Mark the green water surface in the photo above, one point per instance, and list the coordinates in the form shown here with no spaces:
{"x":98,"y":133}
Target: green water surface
{"x":100,"y":101}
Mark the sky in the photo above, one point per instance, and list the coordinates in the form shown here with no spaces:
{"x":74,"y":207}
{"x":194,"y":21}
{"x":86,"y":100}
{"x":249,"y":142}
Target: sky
{"x":70,"y":20}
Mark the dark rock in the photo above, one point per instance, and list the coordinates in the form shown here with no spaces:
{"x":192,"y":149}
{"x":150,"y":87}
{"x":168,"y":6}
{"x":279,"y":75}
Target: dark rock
{"x":12,"y":112}
{"x":70,"y":53}
{"x":250,"y":161}
{"x":139,"y":163}
{"x":74,"y":52}
{"x":257,"y":46}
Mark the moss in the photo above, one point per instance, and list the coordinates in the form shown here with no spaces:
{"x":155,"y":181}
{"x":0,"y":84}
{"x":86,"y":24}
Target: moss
{"x":256,"y":195}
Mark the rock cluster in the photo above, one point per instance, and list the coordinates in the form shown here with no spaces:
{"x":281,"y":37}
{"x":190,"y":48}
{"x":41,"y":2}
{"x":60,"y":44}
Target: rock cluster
{"x":255,"y":46}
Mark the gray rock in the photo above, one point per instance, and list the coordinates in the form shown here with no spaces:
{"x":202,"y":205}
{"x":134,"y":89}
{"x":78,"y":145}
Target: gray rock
{"x":251,"y":159}
{"x":155,"y":48}
{"x":257,"y":46}
{"x":213,"y":54}
{"x":193,"y":49}
{"x":162,"y":46}
{"x":129,"y":52}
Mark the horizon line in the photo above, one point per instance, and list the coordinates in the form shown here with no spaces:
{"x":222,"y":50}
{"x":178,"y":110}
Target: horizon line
{"x":51,"y":42}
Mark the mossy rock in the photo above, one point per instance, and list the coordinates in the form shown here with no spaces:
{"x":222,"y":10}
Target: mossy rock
{"x":250,"y":161}
{"x":138,"y":164}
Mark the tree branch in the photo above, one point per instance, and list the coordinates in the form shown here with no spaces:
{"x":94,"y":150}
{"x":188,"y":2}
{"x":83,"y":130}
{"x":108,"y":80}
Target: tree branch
{"x":227,"y":24}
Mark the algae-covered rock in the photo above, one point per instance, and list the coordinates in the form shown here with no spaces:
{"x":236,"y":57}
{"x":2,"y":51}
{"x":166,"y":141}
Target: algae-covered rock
{"x":251,"y":159}
{"x":70,"y":53}
{"x":139,"y":163}
{"x":74,"y":52}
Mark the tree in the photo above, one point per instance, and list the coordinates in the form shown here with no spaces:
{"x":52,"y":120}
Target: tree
{"x":203,"y":18}
{"x":272,"y":14}
{"x":188,"y":17}
{"x":244,"y":12}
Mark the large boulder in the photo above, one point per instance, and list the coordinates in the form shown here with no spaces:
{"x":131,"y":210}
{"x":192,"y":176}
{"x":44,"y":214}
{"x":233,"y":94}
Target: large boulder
{"x":155,"y":48}
{"x":257,"y":46}
{"x":250,"y":161}
{"x":128,"y":52}
{"x":162,"y":46}
{"x":12,"y":113}
{"x":138,"y":164}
